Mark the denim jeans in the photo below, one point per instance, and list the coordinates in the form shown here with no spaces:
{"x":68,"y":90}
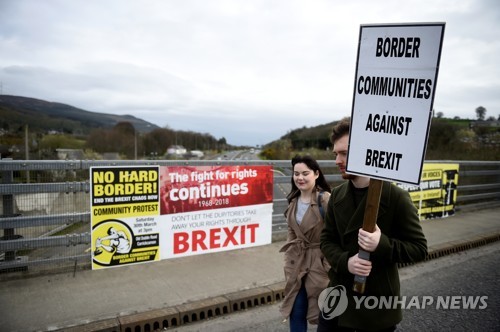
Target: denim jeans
{"x":298,"y":316}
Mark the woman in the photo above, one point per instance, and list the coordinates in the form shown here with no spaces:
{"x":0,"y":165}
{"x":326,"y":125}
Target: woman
{"x":305,"y":267}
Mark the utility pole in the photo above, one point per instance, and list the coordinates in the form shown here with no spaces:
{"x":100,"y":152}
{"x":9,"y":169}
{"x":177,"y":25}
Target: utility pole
{"x":26,"y":150}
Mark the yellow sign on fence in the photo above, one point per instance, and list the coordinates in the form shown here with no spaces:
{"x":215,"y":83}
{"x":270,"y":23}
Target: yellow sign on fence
{"x":436,"y":194}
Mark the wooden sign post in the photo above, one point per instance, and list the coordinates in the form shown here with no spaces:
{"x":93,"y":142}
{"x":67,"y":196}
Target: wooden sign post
{"x":369,"y":222}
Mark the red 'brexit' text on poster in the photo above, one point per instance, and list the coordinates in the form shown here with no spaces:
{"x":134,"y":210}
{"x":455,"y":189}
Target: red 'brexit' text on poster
{"x":214,"y":238}
{"x":200,"y":232}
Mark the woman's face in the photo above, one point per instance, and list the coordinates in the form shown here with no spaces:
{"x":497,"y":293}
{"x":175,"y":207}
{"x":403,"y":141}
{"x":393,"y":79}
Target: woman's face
{"x":304,"y":177}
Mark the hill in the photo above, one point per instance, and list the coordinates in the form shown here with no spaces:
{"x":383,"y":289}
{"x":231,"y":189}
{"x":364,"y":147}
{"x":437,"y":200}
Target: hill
{"x":43,"y":116}
{"x":312,"y":137}
{"x":453,"y":139}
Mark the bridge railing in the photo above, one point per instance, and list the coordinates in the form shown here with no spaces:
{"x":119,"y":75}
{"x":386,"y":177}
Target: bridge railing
{"x":45,"y":206}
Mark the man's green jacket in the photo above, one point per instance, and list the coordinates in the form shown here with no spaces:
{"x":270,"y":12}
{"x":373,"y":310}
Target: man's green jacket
{"x":402,"y":241}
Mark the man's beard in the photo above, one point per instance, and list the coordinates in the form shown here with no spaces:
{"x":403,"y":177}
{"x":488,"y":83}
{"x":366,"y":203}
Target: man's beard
{"x":346,"y":176}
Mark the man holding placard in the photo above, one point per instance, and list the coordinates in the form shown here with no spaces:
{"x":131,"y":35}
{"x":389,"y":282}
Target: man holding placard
{"x":372,"y":225}
{"x":397,"y":238}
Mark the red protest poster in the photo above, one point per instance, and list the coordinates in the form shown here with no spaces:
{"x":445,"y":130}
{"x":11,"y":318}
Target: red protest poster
{"x":214,"y":208}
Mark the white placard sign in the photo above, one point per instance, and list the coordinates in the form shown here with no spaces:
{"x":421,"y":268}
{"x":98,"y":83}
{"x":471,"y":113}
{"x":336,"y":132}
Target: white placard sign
{"x":396,"y":76}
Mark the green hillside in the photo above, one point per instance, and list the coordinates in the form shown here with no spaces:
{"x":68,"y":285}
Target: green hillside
{"x":454,"y":139}
{"x":52,"y":126}
{"x":44,"y":116}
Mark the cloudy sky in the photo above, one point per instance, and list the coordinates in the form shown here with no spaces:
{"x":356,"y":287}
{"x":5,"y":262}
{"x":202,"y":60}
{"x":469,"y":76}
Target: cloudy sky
{"x":246,"y":70}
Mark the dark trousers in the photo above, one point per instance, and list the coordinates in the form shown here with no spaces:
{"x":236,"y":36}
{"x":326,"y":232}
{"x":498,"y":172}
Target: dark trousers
{"x":298,"y":316}
{"x":332,"y":325}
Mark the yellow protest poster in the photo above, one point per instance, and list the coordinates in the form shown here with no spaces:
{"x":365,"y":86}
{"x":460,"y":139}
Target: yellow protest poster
{"x":436,"y":194}
{"x":125,"y":209}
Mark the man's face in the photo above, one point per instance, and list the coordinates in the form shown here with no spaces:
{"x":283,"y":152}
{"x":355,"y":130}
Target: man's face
{"x":340,"y":148}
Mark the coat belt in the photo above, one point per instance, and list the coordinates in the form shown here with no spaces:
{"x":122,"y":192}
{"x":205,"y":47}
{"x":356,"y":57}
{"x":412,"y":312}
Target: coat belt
{"x":303,"y":245}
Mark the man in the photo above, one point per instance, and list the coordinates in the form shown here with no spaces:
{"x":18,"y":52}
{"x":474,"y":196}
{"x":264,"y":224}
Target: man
{"x":398,"y":238}
{"x":118,"y":242}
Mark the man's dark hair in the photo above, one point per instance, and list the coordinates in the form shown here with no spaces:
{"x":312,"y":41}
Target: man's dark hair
{"x":340,"y":129}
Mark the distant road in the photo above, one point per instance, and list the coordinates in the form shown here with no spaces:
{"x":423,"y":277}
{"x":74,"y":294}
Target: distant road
{"x":245,"y":155}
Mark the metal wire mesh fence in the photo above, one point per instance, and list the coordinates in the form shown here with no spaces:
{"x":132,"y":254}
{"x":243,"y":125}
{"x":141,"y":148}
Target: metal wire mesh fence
{"x":45,"y":207}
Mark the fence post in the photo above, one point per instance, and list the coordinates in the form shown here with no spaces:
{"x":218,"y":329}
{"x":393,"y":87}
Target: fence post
{"x":8,"y":211}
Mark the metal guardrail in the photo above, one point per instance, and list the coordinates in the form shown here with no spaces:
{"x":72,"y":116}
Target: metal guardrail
{"x":47,"y":222}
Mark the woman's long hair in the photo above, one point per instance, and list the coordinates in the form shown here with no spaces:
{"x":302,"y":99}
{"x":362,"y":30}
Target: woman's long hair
{"x":313,"y":165}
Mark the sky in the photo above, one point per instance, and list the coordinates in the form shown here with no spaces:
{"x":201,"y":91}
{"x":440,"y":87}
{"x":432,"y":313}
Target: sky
{"x":248,"y":71}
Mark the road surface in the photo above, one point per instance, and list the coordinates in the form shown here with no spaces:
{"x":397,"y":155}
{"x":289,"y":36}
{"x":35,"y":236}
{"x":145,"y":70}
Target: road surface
{"x":472,"y":275}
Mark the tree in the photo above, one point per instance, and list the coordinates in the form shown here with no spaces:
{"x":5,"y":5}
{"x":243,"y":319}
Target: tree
{"x":48,"y":144}
{"x":222,"y":143}
{"x":467,"y":138}
{"x":158,"y":141}
{"x":439,"y":115}
{"x":480,"y":113}
{"x":120,"y":138}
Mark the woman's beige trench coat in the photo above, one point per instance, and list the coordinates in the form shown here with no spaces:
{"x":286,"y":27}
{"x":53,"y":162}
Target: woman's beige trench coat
{"x":303,"y":257}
